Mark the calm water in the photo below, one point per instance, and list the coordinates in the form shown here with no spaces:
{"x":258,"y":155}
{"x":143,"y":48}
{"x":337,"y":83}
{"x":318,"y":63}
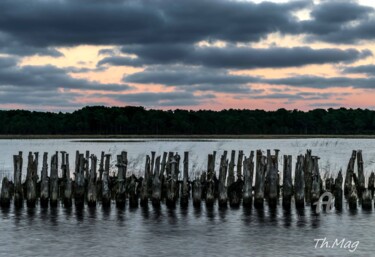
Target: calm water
{"x":181,"y":232}
{"x":186,"y":232}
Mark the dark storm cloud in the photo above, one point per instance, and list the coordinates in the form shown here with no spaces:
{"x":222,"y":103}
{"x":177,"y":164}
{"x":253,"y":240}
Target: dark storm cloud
{"x":322,"y":82}
{"x":365,"y":69}
{"x":232,"y":56}
{"x":75,"y":22}
{"x":46,"y":78}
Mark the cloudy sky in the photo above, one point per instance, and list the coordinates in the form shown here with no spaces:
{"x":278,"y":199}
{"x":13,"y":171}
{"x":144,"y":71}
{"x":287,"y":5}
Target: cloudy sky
{"x":60,"y":55}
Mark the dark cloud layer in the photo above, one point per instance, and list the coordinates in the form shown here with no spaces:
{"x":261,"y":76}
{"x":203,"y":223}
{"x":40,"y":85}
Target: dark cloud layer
{"x":233,"y":57}
{"x":364,"y":69}
{"x":322,"y":82}
{"x":74,"y":22}
{"x":46,"y":77}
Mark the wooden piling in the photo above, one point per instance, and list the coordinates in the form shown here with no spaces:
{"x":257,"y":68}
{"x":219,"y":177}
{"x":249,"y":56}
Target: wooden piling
{"x":185,"y":182}
{"x":156,"y":184}
{"x":210,"y":195}
{"x":361,"y":176}
{"x":223,"y":193}
{"x":18,"y":189}
{"x":54,"y":181}
{"x":272,"y":178}
{"x":79,"y":191}
{"x":316,"y":180}
{"x":338,"y":191}
{"x":349,"y":174}
{"x":307,"y":173}
{"x":5,"y":196}
{"x":121,"y":176}
{"x":259,"y":179}
{"x":287,"y":181}
{"x":31,"y":180}
{"x":68,"y":189}
{"x":299,"y":182}
{"x":106,"y":192}
{"x":44,"y":185}
{"x":248,"y":173}
{"x":144,"y":190}
{"x":91,"y":190}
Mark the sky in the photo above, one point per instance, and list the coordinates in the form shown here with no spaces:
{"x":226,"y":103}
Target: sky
{"x":62,"y":55}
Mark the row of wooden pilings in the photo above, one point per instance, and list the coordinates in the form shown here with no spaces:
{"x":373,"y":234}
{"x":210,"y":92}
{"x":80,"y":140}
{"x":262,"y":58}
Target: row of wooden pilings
{"x":160,"y":183}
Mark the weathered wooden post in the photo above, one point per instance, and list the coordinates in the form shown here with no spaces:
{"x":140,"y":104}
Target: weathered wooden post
{"x":338,"y":191}
{"x":230,"y":179}
{"x":272,"y":178}
{"x":79,"y":192}
{"x":91,"y":191}
{"x":121,"y":176}
{"x":172,"y":182}
{"x":299,"y":182}
{"x":68,"y":183}
{"x":99,"y":181}
{"x":144,"y":190}
{"x":361,"y":176}
{"x":54,"y":181}
{"x":287,"y":181}
{"x":223,"y":191}
{"x":156,"y":185}
{"x":371,"y":183}
{"x":349,"y":174}
{"x":248,"y":173}
{"x":316,"y":180}
{"x":151,"y":174}
{"x":5,"y":193}
{"x":308,"y":170}
{"x":163,"y":183}
{"x":44,"y":185}
{"x":106,"y":192}
{"x":259,"y":179}
{"x":18,"y":189}
{"x":185,"y":182}
{"x":210,"y":196}
{"x":31,"y":179}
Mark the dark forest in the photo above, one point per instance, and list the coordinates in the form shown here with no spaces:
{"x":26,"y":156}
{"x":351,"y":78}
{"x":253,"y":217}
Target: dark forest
{"x":100,"y":120}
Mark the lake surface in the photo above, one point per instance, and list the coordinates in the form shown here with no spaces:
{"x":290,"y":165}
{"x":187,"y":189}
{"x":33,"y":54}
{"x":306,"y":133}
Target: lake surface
{"x":191,"y":231}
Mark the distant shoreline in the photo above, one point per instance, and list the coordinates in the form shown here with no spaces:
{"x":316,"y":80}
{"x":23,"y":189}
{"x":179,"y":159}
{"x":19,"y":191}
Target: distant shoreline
{"x":183,"y":136}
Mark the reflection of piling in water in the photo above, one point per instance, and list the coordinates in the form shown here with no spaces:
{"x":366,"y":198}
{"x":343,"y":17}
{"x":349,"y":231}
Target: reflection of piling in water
{"x":160,"y":181}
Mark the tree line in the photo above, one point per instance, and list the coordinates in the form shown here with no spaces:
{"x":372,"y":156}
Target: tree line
{"x":100,"y":120}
